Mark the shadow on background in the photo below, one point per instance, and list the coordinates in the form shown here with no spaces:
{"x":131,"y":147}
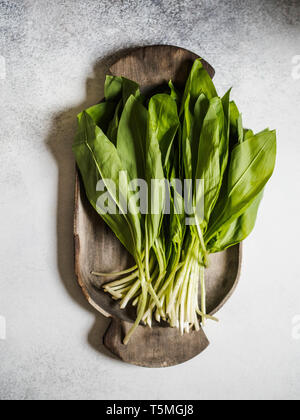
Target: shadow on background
{"x":60,"y":142}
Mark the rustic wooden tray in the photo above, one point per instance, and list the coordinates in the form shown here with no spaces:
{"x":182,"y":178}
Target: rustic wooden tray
{"x":96,"y":247}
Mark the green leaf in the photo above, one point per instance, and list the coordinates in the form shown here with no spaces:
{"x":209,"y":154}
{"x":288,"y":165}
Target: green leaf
{"x":178,"y":226}
{"x":201,"y":109}
{"x":164,"y":123}
{"x":198,"y":90}
{"x":117,"y":88}
{"x":186,"y":140}
{"x":252,"y":164}
{"x":212,"y":157}
{"x":177,"y":210}
{"x":248,"y":134}
{"x":113,"y":88}
{"x":241,"y":227}
{"x":131,"y":142}
{"x":226,"y":133}
{"x":234,"y":116}
{"x":198,"y":82}
{"x":175,"y":94}
{"x":225,"y":139}
{"x":130,"y":88}
{"x":97,"y":159}
{"x":240,"y":129}
{"x":113,"y":127}
{"x":101,"y":114}
{"x":236,"y":123}
{"x":238,"y":230}
{"x":154,"y":172}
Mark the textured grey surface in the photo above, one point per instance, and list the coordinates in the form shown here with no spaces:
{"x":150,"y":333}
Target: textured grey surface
{"x":56,"y":54}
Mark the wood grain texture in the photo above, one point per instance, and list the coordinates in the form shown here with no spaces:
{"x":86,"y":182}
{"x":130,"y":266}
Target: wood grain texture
{"x":96,"y":247}
{"x":156,"y":347}
{"x":155,"y":66}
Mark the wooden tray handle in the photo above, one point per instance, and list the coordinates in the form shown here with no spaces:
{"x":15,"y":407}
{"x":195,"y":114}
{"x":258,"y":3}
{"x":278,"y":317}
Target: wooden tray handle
{"x":156,"y":65}
{"x":156,"y":347}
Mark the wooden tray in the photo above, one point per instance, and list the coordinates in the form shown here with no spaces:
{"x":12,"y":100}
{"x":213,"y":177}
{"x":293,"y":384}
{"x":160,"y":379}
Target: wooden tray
{"x":96,"y":247}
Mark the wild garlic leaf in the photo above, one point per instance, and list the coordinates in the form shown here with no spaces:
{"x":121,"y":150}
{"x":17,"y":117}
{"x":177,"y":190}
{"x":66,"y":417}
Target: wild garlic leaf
{"x":210,"y":159}
{"x":98,"y":159}
{"x":101,"y":114}
{"x":131,"y":139}
{"x":236,"y":122}
{"x":238,"y":230}
{"x":248,"y":134}
{"x":175,"y":94}
{"x":155,"y":176}
{"x":113,"y":127}
{"x":177,"y":210}
{"x":200,"y":111}
{"x":227,"y":113}
{"x":117,"y":88}
{"x":113,"y":88}
{"x":130,"y":88}
{"x":164,"y":122}
{"x":186,"y":139}
{"x":242,"y":226}
{"x":175,"y":221}
{"x":225,"y":144}
{"x":198,"y":82}
{"x":252,"y":164}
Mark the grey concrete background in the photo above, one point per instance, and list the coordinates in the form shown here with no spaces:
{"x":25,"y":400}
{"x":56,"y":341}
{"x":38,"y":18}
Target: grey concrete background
{"x":56,"y":55}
